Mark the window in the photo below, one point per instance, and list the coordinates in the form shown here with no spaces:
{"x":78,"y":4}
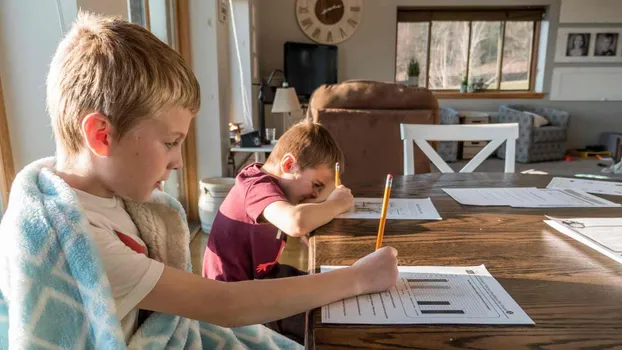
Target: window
{"x":498,"y":46}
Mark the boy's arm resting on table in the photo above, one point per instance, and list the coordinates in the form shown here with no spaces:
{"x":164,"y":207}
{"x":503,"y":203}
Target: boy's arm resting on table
{"x":299,"y":220}
{"x":234,"y":304}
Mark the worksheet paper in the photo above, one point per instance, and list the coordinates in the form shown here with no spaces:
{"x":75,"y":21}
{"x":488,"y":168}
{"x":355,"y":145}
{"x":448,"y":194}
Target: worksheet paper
{"x":601,"y":234}
{"x":589,"y":186}
{"x":527,"y":197}
{"x":399,"y":209}
{"x":431,"y":295}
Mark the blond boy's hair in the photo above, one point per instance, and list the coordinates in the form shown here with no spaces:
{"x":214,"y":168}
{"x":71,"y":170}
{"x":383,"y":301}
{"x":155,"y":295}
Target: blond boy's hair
{"x":116,"y":68}
{"x":311,"y":144}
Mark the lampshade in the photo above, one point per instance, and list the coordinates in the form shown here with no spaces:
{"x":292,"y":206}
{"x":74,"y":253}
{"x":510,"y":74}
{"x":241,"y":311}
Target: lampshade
{"x":285,"y":101}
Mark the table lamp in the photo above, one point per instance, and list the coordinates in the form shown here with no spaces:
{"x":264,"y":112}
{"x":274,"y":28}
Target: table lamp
{"x":286,"y":102}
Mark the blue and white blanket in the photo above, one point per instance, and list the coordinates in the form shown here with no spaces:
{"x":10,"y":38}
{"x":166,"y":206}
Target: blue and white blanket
{"x":54,"y":293}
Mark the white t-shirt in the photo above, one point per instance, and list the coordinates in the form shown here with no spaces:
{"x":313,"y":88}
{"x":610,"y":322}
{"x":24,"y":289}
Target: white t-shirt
{"x":131,"y":273}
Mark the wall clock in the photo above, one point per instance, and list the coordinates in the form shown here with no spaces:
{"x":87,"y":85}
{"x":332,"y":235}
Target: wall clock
{"x":329,"y":21}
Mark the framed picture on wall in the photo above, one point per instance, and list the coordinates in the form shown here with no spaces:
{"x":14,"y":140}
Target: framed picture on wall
{"x":577,"y":44}
{"x":585,"y":45}
{"x":606,"y":44}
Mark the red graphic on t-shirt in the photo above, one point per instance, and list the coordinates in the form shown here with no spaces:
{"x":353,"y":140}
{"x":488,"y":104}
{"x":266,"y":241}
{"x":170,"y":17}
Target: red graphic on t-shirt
{"x":264,"y":267}
{"x":131,"y":243}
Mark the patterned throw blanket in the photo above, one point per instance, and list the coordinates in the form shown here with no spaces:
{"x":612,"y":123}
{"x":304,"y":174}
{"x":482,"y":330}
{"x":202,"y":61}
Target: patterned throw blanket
{"x":54,"y":293}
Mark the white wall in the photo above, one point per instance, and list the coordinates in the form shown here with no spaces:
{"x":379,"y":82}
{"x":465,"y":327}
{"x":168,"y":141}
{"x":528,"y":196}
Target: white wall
{"x":30,"y":30}
{"x":370,"y":54}
{"x":29,"y":33}
{"x":591,"y":11}
{"x":209,"y":42}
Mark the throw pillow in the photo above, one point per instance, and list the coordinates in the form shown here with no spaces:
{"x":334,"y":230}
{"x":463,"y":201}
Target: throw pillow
{"x":538,"y":120}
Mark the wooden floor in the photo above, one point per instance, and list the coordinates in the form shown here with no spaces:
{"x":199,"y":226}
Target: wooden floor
{"x":295,"y":254}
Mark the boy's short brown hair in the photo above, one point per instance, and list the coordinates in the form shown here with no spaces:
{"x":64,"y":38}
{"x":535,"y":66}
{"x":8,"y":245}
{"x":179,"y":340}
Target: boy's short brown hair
{"x":311,"y":144}
{"x":116,"y":68}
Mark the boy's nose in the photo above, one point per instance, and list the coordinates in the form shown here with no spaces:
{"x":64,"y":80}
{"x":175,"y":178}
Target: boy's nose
{"x":178,"y":162}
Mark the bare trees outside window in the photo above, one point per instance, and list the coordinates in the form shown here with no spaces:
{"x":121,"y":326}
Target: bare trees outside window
{"x":501,"y":52}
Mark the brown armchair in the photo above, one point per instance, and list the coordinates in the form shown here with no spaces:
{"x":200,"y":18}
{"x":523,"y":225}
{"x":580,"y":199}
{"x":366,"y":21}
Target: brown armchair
{"x":364,"y":117}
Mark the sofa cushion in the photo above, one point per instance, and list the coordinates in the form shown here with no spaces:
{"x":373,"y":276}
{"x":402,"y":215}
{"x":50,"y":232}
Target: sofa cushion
{"x":549,"y":134}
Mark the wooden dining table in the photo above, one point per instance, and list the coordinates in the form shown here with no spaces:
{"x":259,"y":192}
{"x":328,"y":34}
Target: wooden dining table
{"x":572,"y":292}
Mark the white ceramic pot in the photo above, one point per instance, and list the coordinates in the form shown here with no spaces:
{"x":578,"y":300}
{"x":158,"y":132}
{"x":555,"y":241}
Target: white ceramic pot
{"x":213,"y":193}
{"x":413,"y":81}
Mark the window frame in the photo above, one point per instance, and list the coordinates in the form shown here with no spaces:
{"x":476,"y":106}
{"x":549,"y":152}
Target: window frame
{"x":7,"y":169}
{"x":506,"y":13}
{"x":190,"y":182}
{"x":179,"y":10}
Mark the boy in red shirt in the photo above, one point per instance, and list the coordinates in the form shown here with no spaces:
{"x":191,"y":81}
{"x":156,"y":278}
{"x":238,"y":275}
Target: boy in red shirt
{"x":292,"y":194}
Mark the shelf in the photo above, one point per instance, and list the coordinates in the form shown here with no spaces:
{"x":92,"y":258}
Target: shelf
{"x":454,"y":95}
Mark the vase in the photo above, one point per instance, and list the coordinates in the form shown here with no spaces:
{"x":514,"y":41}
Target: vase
{"x":463,"y":88}
{"x":213,"y":193}
{"x":413,"y":81}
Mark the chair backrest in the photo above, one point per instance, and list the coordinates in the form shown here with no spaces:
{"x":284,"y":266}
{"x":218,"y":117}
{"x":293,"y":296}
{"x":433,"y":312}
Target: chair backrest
{"x":495,"y":133}
{"x":364,"y":117}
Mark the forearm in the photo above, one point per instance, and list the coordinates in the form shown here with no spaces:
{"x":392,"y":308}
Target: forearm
{"x":311,"y":216}
{"x":233,"y":304}
{"x":269,"y":300}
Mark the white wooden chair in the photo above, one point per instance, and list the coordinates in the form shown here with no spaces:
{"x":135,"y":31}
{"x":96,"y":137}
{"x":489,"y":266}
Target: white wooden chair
{"x":422,"y":133}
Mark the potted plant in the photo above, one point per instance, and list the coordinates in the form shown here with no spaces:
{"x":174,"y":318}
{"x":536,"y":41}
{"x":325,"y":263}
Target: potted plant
{"x":477,"y":85}
{"x":464,"y":84}
{"x":471,"y":86}
{"x":413,"y":73}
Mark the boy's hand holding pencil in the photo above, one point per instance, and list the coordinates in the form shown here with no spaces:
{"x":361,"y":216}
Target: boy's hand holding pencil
{"x":343,"y":196}
{"x":377,"y":271}
{"x":341,"y":193}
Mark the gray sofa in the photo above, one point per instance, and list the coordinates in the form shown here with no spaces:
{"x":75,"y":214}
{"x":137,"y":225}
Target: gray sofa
{"x":535,"y":144}
{"x":448,"y":150}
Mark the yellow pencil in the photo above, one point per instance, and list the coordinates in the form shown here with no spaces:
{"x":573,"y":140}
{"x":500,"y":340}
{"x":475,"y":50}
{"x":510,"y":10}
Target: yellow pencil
{"x":337,"y":176}
{"x":383,"y":214}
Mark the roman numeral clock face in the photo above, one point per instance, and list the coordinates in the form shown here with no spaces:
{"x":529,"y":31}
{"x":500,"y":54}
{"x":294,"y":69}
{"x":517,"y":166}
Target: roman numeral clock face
{"x":329,"y":21}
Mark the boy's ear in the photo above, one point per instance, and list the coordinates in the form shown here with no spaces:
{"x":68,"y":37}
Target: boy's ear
{"x":288,"y":163}
{"x":97,"y":133}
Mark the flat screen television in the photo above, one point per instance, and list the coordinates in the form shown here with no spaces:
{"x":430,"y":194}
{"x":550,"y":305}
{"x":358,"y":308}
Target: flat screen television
{"x":307,"y":66}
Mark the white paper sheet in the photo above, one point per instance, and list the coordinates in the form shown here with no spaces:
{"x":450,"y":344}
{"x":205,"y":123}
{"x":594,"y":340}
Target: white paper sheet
{"x":589,"y":186}
{"x":528,"y":197}
{"x":602,"y":234}
{"x":399,"y":209}
{"x":489,"y":196}
{"x":431,"y":295}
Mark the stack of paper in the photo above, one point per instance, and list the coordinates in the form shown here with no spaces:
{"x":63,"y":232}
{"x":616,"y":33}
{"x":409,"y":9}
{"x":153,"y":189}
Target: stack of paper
{"x":528,"y":197}
{"x":431,"y":295}
{"x":601,"y":234}
{"x":590,"y":186}
{"x":399,"y":209}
